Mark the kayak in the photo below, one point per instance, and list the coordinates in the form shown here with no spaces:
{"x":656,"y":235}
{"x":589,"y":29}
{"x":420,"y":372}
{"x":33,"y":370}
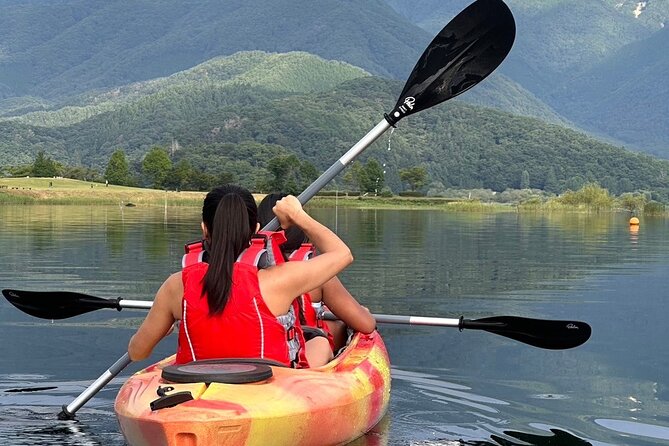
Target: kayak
{"x":329,"y":405}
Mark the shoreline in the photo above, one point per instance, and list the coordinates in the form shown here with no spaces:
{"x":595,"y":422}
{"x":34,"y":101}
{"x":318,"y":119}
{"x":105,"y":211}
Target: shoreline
{"x":65,"y":191}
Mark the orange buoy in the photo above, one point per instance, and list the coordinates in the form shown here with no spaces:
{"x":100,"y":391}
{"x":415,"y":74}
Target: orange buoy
{"x":634,"y":221}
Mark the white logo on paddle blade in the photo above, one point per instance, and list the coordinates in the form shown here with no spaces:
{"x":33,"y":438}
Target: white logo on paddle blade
{"x":409,"y":102}
{"x":572,"y":326}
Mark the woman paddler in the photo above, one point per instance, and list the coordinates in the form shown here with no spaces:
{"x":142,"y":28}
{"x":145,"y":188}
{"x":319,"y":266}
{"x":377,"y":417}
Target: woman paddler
{"x":232,"y":309}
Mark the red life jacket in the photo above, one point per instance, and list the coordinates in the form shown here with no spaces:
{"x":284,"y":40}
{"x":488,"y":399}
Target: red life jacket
{"x":264,"y":342}
{"x":245,"y":328}
{"x":312,"y":311}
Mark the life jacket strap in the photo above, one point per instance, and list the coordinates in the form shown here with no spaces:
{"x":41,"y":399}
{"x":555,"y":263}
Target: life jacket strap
{"x":194,"y":253}
{"x":264,"y":250}
{"x":304,"y":252}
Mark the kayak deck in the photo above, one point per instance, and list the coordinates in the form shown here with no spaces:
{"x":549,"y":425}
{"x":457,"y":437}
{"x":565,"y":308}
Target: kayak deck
{"x":329,"y":405}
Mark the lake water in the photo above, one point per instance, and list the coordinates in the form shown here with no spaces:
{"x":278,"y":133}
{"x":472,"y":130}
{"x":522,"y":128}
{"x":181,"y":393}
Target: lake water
{"x":449,"y":387}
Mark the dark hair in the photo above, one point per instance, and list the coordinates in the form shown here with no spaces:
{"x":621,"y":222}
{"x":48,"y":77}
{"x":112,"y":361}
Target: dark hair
{"x":230,"y":214}
{"x":294,"y":235}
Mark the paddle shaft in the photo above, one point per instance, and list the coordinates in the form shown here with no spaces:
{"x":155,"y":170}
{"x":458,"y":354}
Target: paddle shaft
{"x":380,"y":318}
{"x":70,"y":409}
{"x":547,"y":334}
{"x":411,"y":320}
{"x":336,"y":168}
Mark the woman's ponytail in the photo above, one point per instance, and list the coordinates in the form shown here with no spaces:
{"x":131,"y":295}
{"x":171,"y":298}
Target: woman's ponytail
{"x":233,"y":224}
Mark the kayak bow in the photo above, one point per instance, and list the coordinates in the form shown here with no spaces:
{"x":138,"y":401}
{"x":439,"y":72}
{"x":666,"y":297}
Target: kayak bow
{"x":329,"y":405}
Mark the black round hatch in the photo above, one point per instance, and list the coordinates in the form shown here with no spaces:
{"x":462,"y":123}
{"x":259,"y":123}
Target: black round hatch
{"x":226,"y":371}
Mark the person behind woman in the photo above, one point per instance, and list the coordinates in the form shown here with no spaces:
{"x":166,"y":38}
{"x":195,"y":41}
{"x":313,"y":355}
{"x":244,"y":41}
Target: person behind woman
{"x":228,"y":308}
{"x":333,"y":293}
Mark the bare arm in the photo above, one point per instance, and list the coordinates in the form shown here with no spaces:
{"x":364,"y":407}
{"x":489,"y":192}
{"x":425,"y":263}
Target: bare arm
{"x":166,"y":309}
{"x":280,"y":284}
{"x":346,"y":308}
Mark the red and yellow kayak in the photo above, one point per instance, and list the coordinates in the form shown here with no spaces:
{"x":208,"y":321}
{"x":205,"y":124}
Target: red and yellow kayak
{"x":329,"y":405}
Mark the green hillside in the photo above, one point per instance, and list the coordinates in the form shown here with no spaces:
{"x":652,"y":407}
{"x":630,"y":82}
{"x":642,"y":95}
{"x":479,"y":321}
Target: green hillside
{"x":599,"y":64}
{"x":279,"y":73}
{"x":54,"y":49}
{"x":554,"y":39}
{"x":636,"y":102}
{"x":237,"y":127}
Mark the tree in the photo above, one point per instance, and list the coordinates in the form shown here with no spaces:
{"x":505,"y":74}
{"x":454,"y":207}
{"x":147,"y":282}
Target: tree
{"x":156,"y":166}
{"x":551,"y":182}
{"x":280,"y":167}
{"x":374,"y":175}
{"x":308,"y":174}
{"x":575,"y":183}
{"x":416,"y":177}
{"x":117,"y":171}
{"x":43,"y":166}
{"x":352,"y":175}
{"x":289,"y":174}
{"x":81,"y":173}
{"x":525,"y":180}
{"x":179,"y":175}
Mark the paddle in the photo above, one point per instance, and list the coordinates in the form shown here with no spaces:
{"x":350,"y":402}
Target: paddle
{"x":68,"y":410}
{"x":549,"y":334}
{"x":65,"y":304}
{"x":464,"y":53}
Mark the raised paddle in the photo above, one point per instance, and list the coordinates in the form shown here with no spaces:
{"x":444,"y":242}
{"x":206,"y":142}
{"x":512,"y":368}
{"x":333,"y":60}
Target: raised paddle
{"x":464,"y":53}
{"x":549,"y":334}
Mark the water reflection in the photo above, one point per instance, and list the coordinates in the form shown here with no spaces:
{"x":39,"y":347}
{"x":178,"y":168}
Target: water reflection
{"x":636,"y":428}
{"x":486,"y":426}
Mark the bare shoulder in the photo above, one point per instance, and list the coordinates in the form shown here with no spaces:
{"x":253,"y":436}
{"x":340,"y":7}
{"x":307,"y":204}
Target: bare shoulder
{"x":174,"y":281}
{"x":170,"y":293}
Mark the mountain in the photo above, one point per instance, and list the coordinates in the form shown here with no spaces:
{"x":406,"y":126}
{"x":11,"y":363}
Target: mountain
{"x":654,"y":13}
{"x":633,"y":107}
{"x":600,"y":65}
{"x":52,"y":51}
{"x":554,"y":39}
{"x":236,"y":124}
{"x":278,"y":73}
{"x":55,"y":49}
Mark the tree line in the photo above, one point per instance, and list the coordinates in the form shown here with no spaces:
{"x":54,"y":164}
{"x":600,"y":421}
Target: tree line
{"x":159,"y":170}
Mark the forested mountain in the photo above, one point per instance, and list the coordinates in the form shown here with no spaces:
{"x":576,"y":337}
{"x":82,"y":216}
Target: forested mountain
{"x":555,"y":39}
{"x":601,"y":64}
{"x":235,"y":127}
{"x":51,"y":49}
{"x":633,"y":107}
{"x":274,"y":73}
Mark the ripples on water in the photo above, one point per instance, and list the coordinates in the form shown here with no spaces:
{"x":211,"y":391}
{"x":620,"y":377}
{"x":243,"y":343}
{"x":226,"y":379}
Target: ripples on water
{"x":29,"y":405}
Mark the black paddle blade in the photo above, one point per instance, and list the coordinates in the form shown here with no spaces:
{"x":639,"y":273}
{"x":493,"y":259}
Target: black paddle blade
{"x":552,"y":335}
{"x":56,"y":304}
{"x":464,"y":53}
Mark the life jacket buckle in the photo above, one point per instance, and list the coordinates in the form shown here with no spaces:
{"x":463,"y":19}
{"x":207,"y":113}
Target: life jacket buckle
{"x":291,"y":333}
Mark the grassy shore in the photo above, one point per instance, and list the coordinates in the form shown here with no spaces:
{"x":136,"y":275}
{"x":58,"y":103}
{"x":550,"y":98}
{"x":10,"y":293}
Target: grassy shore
{"x":64,"y":191}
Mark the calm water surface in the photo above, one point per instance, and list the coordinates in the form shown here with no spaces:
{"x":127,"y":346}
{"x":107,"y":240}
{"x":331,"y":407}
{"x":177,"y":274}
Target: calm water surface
{"x":449,"y":387}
